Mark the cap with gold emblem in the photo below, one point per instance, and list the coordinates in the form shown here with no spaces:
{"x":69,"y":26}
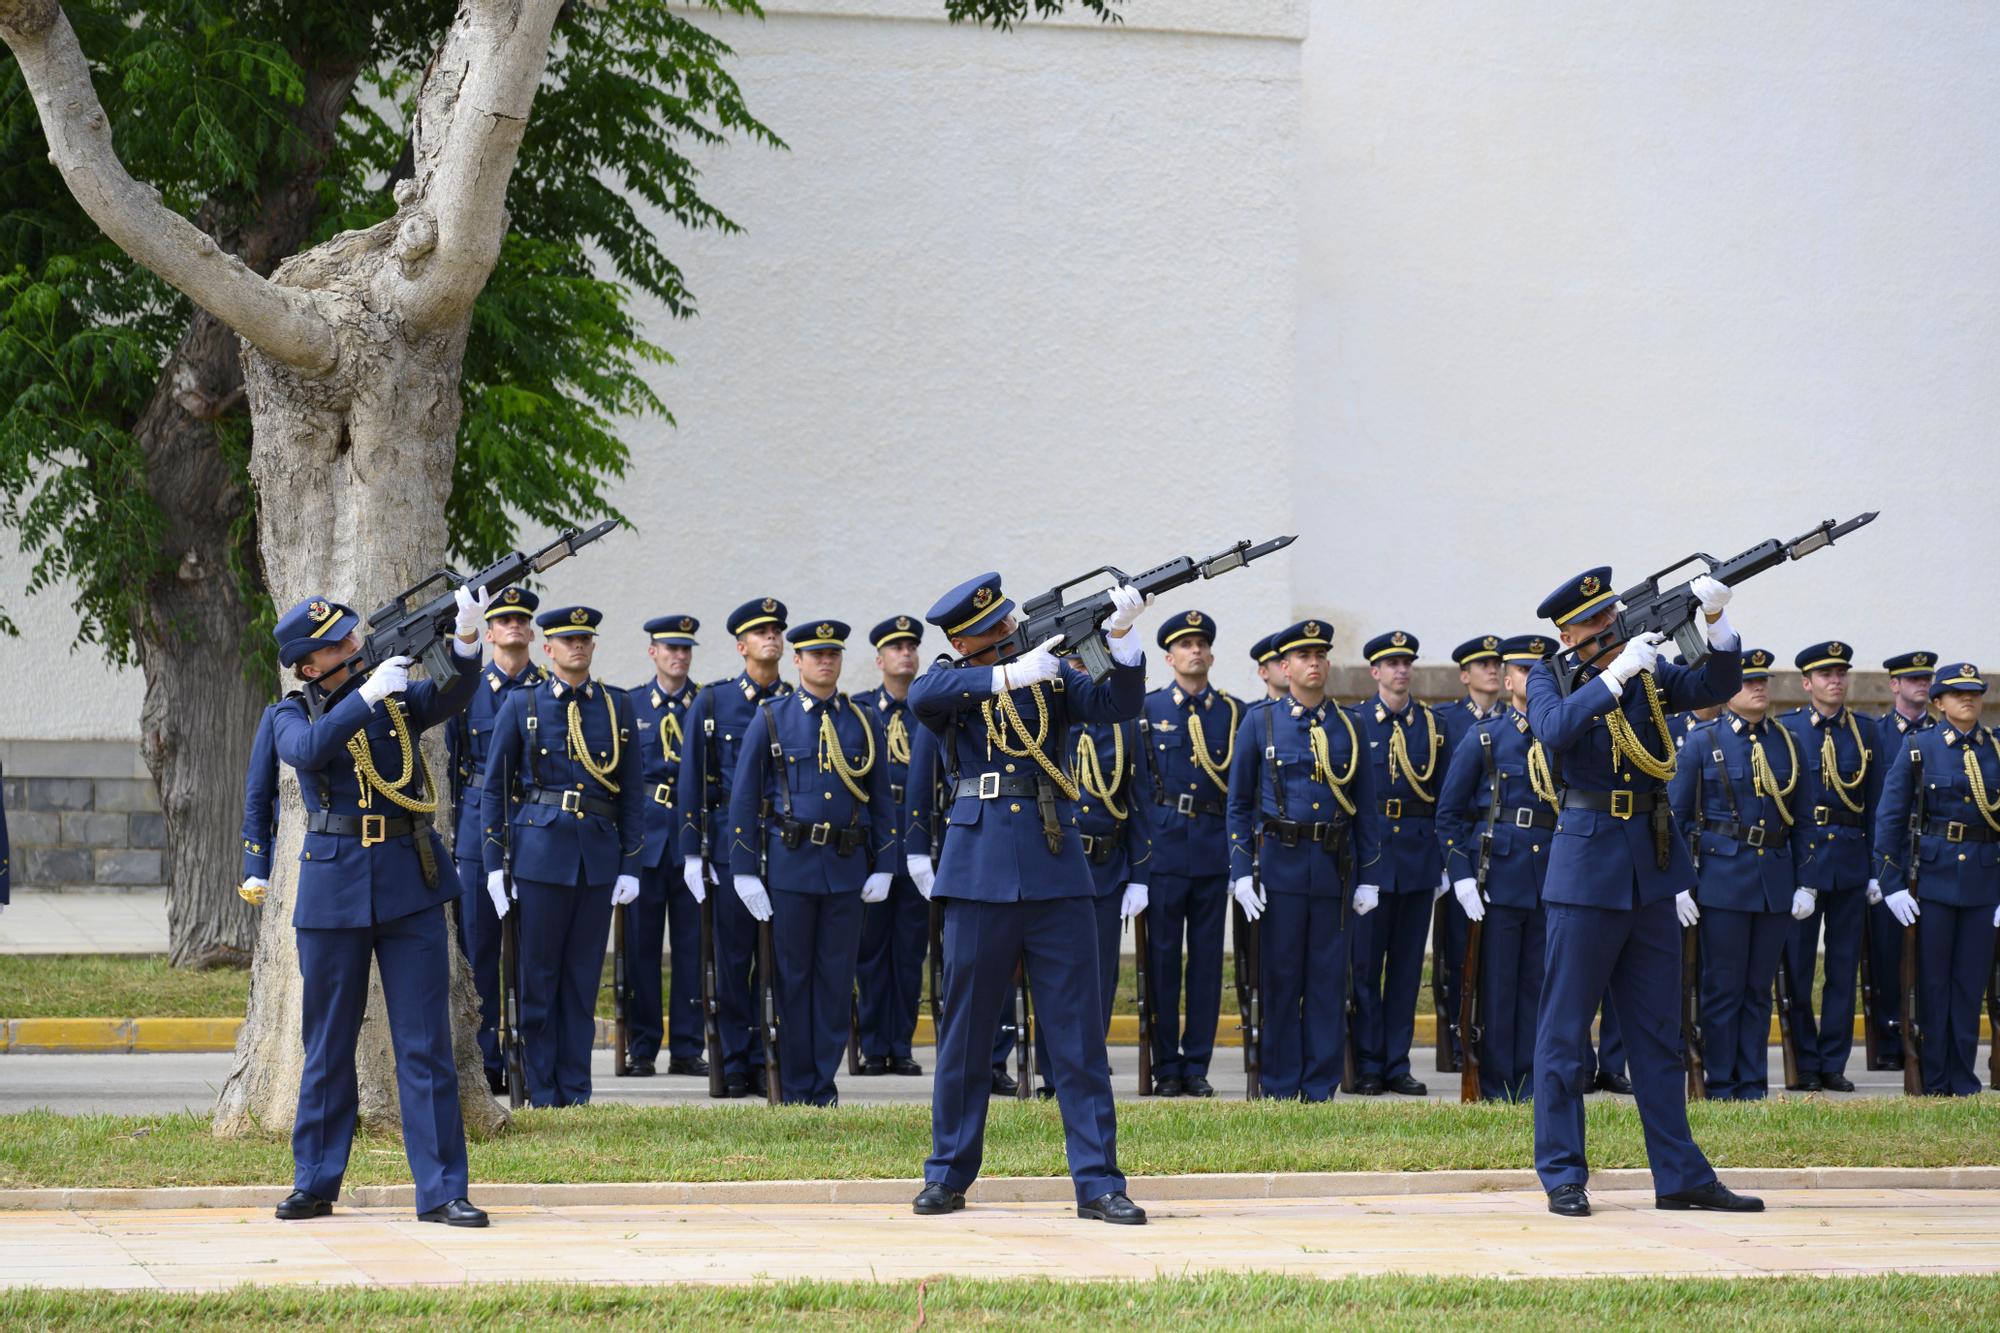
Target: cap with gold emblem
{"x":1184,"y":623}
{"x":755,"y":613}
{"x":1911,"y":664}
{"x":1264,"y":649}
{"x":512,"y":601}
{"x":1957,"y":676}
{"x":315,"y":623}
{"x":894,"y":630}
{"x":1527,"y":648}
{"x":1584,"y":595}
{"x":818,"y":634}
{"x":673,"y":629}
{"x":1474,"y":650}
{"x":1757,"y":663}
{"x":973,"y":607}
{"x":566,"y":621}
{"x":1305,"y":634}
{"x":1396,"y":643}
{"x":1832,"y":653}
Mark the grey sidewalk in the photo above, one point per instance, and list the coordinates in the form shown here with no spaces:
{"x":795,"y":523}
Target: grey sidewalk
{"x":85,"y":923}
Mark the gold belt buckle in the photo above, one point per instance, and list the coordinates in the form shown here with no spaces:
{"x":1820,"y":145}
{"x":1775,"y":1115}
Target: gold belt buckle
{"x":1393,"y":807}
{"x":572,"y":803}
{"x":1954,"y":831}
{"x":374,"y":829}
{"x":664,"y":793}
{"x":1621,"y":804}
{"x":1822,"y":815}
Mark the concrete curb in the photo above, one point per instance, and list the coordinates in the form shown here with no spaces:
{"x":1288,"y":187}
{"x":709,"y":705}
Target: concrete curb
{"x":1002,"y":1189}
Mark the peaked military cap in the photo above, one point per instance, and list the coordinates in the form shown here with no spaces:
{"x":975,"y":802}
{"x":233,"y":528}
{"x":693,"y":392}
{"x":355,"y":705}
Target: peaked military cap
{"x":673,"y":629}
{"x":1958,"y":676}
{"x":312,"y":624}
{"x":512,"y":601}
{"x":1305,"y":634}
{"x":1530,"y":648}
{"x":1264,"y":649}
{"x":567,"y":621}
{"x":818,"y":634}
{"x":756,"y":612}
{"x":1583,"y":595}
{"x":973,"y":607}
{"x":894,"y":628}
{"x":1180,"y":626}
{"x":1831,"y":653}
{"x":1396,"y":643}
{"x":1472,"y":650}
{"x":1911,"y":664}
{"x":1757,"y":663}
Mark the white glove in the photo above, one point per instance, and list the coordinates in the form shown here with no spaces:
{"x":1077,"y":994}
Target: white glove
{"x":392,"y":677}
{"x":1135,"y":902}
{"x":1685,"y":909}
{"x":1031,"y":668}
{"x":876,"y":887}
{"x":1802,"y":903}
{"x":250,"y":891}
{"x":691,"y":876}
{"x":1874,"y":892}
{"x":1130,"y":602}
{"x":1245,"y":892}
{"x":1468,"y":897}
{"x":919,"y":866}
{"x":751,"y":890}
{"x":471,"y":609}
{"x":1714,"y":594}
{"x":1996,"y":918}
{"x":624,"y":890}
{"x":1366,"y":896}
{"x":1903,"y":907}
{"x":496,"y":889}
{"x":1640,"y":654}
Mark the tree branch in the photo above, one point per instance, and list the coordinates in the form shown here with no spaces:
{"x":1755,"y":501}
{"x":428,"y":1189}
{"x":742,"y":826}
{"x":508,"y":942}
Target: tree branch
{"x":280,"y":322}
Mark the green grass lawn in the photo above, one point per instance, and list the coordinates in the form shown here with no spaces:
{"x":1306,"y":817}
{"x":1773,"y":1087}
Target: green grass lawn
{"x":1204,"y":1302}
{"x":754,"y":1142}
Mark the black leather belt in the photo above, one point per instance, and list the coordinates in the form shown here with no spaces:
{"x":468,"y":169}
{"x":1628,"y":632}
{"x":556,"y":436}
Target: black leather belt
{"x":992,"y":786}
{"x":1953,"y":831}
{"x":1623,"y":804}
{"x":1520,"y":816}
{"x":1842,"y":818}
{"x":1101,"y":848}
{"x":1189,"y":804}
{"x":575,"y":802}
{"x":796,"y":833}
{"x":1398,"y":808}
{"x":1329,"y":833}
{"x":371,"y":829}
{"x":1750,"y":835}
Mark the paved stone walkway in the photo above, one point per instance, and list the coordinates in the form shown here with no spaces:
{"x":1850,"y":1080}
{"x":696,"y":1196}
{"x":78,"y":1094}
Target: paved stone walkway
{"x":1499,"y":1234}
{"x":85,"y":923}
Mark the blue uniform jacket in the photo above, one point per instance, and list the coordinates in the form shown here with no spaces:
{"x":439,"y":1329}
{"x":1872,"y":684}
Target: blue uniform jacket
{"x":260,"y":800}
{"x":1892,"y":726}
{"x":1125,"y":763}
{"x":997,"y":851}
{"x":552,"y":845}
{"x":805,"y":784}
{"x":892,"y":722}
{"x":1963,"y":873}
{"x":1276,"y":777}
{"x":660,"y":723}
{"x":720,"y":716}
{"x":1410,"y":862}
{"x":343,"y":885}
{"x":923,"y":835}
{"x":467,"y":740}
{"x":1599,"y":859}
{"x":1715,"y":770}
{"x":1457,"y":718}
{"x":1520,"y":859}
{"x":1190,"y":828}
{"x":1838,"y":856}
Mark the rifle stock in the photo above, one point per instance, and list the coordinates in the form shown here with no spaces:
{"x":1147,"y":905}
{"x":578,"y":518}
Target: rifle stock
{"x":1872,"y":1053}
{"x":1697,"y":1076}
{"x":854,"y":1035}
{"x":1444,"y":1032}
{"x":1024,"y":1036}
{"x":1468,"y":1017}
{"x":621,"y":997}
{"x":1788,"y":1045}
{"x":767,"y":992}
{"x":1145,"y":995}
{"x":711,"y":1000}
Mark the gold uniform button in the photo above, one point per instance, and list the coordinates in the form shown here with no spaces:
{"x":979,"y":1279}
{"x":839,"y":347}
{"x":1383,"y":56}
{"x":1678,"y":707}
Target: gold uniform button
{"x":1016,"y":808}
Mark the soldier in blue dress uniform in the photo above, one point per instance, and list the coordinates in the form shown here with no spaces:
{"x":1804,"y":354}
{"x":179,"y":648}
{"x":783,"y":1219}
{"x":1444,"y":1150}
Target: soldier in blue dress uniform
{"x":895,"y":932}
{"x":1296,"y":849}
{"x":665,"y":916}
{"x":1192,"y":725}
{"x":1270,"y":666}
{"x":260,"y":810}
{"x":810,"y":811}
{"x":563,"y":799}
{"x":1842,"y":779}
{"x":1956,"y":906}
{"x":1500,"y":747}
{"x":1736,"y":791}
{"x":510,"y":629}
{"x":1405,"y":750}
{"x":373,"y":884}
{"x":1910,"y":677}
{"x":1619,"y":885}
{"x":1017,"y":887}
{"x":1479,"y":672}
{"x":715,"y":727}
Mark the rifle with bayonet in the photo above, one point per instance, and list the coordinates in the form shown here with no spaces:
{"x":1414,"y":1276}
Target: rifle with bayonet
{"x":1070,"y":629}
{"x":1913,"y":1036}
{"x":1471,"y":1030}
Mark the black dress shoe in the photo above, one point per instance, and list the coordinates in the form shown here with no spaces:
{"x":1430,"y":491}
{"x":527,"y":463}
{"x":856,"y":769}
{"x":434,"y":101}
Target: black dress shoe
{"x":1406,"y":1085}
{"x":692,"y":1066}
{"x":1807,"y":1083}
{"x":457,"y":1213}
{"x":1714,"y":1197}
{"x":935,"y":1200}
{"x":496,"y":1082}
{"x":1046,"y":1093}
{"x":1197,"y":1086}
{"x":640,"y":1069}
{"x":736,"y":1085}
{"x":299,"y":1204}
{"x":1836,"y":1082}
{"x":1569,"y":1201}
{"x":1115,"y":1208}
{"x":1168,"y":1087}
{"x":905,"y":1066}
{"x":1610,"y":1082}
{"x":872,"y":1065}
{"x":1004,"y":1084}
{"x":759,"y":1083}
{"x":1368,"y":1085}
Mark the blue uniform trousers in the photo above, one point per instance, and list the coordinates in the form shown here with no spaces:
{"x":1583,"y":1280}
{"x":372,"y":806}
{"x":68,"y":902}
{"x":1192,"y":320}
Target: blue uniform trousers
{"x":1303,"y":948}
{"x":415,"y":956}
{"x":1824,"y":1049}
{"x":1511,"y":948}
{"x":1191,"y":909}
{"x":737,"y":983}
{"x":1954,"y":961}
{"x":814,"y":941}
{"x":1636,"y":952}
{"x":561,"y":935}
{"x":982,"y":942}
{"x":1609,"y":1057}
{"x":1110,"y":934}
{"x":1739,"y":961}
{"x":664,"y":917}
{"x":895,"y":934}
{"x":1885,"y":961}
{"x":1388,"y":946}
{"x":481,"y":941}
